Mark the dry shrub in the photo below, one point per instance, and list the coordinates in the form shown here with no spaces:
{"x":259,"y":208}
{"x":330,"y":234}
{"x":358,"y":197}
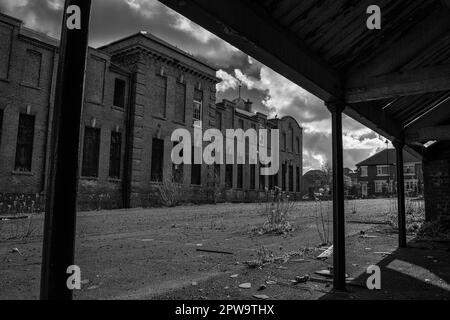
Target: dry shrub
{"x":322,"y":220}
{"x":18,"y":229}
{"x":170,"y":193}
{"x":277,"y":213}
{"x":263,"y":256}
{"x":415,"y":216}
{"x":438,"y":229}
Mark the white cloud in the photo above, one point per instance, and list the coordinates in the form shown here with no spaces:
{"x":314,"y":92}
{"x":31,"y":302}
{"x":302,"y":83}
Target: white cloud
{"x":147,"y":8}
{"x":228,"y":81}
{"x":186,"y":25}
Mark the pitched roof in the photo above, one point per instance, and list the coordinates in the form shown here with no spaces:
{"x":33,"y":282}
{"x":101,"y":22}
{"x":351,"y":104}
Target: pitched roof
{"x":385,"y":156}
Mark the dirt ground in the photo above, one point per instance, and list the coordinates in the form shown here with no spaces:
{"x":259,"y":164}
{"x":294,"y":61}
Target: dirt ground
{"x":154,"y":254}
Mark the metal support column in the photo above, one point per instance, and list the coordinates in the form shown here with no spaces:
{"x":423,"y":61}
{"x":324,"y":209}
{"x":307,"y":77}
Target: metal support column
{"x":400,"y":195}
{"x":60,"y":212}
{"x":336,"y":109}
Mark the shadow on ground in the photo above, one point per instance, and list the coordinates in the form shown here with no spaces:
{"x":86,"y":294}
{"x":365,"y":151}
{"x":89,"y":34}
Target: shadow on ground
{"x":420,"y":271}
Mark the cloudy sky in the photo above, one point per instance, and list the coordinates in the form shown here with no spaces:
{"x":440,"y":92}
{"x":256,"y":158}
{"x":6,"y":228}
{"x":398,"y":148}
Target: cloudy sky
{"x":270,"y":92}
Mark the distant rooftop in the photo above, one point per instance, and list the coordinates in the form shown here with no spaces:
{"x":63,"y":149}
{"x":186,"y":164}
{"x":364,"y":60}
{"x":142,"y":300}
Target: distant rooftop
{"x":164,"y":43}
{"x":387,"y":156}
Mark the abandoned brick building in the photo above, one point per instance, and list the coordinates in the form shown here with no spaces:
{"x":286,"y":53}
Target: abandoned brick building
{"x":138,"y":90}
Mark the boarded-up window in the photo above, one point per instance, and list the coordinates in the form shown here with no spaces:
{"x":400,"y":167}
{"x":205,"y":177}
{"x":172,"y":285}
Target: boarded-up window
{"x":262,"y":179}
{"x":297,"y":180}
{"x":91,"y":152}
{"x":115,"y":155}
{"x":228,"y":176}
{"x":291,"y":137}
{"x":217,"y":174}
{"x":160,"y":96}
{"x":178,"y":169}
{"x":275,"y":180}
{"x":240,"y":124}
{"x":196,"y":171}
{"x":271,"y":182}
{"x":24,"y":148}
{"x":157,"y":160}
{"x":240,"y":176}
{"x":1,"y":125}
{"x":180,"y":102}
{"x":253,"y":176}
{"x":5,"y":49}
{"x":32,"y":68}
{"x":119,"y":93}
{"x":219,"y":120}
{"x":291,"y":178}
{"x":95,"y":78}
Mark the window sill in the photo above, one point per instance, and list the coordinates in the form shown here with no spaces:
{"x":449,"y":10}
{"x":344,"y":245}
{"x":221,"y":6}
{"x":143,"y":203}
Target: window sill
{"x":89,"y":178}
{"x":30,"y":86}
{"x":100,"y":104}
{"x":22,"y":173}
{"x":179,"y":122}
{"x":159,"y":117}
{"x":118,"y":108}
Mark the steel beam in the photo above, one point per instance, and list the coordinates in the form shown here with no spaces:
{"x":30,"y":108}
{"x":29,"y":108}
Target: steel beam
{"x":402,"y":83}
{"x":400,"y":195}
{"x":336,"y":109}
{"x":60,"y":212}
{"x":245,"y":25}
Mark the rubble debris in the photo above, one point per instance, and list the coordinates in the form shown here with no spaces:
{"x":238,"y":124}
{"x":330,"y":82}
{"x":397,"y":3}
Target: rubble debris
{"x":214,"y":251}
{"x":364,"y":235}
{"x":302,"y":279}
{"x":383,"y":253}
{"x":92,"y":287}
{"x":262,"y":287}
{"x":246,"y":285}
{"x":327,"y":273}
{"x":85,"y":281}
{"x":298,"y":260}
{"x":326,"y":254}
{"x":261,"y":296}
{"x":16,"y":250}
{"x":271,"y":282}
{"x":253,"y":264}
{"x":194,"y":283}
{"x":234,"y":276}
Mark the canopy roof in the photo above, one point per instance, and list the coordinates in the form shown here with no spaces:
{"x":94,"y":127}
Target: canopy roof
{"x":395,"y":80}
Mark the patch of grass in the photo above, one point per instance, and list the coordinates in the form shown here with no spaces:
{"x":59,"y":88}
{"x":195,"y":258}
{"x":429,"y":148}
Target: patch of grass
{"x":18,"y":229}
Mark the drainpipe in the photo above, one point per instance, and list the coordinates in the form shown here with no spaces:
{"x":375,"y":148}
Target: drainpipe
{"x":129,"y":136}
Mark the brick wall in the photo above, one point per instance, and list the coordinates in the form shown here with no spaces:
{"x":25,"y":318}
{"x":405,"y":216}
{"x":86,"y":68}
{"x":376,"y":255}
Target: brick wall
{"x":436,"y":170}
